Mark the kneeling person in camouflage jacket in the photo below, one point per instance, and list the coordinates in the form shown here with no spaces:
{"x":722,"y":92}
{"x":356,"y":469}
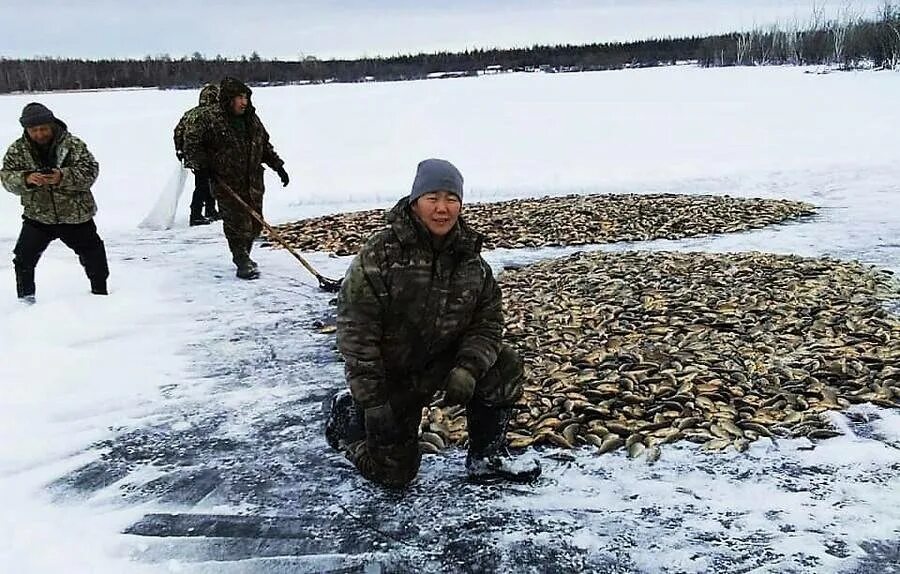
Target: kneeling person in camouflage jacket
{"x":420,"y":312}
{"x":52,"y":172}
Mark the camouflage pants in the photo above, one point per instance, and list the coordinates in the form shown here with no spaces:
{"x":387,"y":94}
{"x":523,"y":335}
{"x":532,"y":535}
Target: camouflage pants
{"x":239,"y":226}
{"x":396,"y":465}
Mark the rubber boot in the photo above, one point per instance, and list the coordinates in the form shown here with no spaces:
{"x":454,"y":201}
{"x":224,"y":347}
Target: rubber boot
{"x":346,"y":422}
{"x":98,"y":287}
{"x":249,"y":249}
{"x":211,"y":213}
{"x":246,"y":268}
{"x":25,"y":284}
{"x":488,"y":459}
{"x":96,"y":267}
{"x":197,"y":218}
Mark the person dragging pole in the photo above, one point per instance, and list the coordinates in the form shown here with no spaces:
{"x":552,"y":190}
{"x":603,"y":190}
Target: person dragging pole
{"x":419,"y":312}
{"x":230,"y":142}
{"x":52,"y":172}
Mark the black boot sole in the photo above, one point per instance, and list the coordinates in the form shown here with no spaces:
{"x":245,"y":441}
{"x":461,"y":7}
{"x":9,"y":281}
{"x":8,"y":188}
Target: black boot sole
{"x":502,"y":479}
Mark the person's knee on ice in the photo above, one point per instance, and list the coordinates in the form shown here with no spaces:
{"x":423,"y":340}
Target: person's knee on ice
{"x":391,"y":465}
{"x":388,"y":452}
{"x":420,"y":312}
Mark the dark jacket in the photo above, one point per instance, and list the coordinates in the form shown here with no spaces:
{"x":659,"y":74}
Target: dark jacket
{"x":233,"y":148}
{"x":209,"y":96}
{"x":405,"y":304}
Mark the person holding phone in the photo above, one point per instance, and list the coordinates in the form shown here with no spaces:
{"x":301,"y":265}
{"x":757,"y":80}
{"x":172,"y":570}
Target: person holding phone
{"x":52,"y":172}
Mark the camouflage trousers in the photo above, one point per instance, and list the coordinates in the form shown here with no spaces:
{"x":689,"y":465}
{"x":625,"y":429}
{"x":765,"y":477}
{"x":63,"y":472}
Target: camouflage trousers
{"x":396,"y":465}
{"x":239,"y":226}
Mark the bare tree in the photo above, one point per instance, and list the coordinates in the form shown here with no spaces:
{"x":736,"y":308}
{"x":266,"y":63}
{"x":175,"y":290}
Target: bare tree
{"x":744,"y":47}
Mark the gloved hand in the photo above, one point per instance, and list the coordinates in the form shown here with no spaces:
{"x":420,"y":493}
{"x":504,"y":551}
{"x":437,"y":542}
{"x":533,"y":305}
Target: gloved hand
{"x":180,"y":155}
{"x":460,"y":386}
{"x":283,"y":175}
{"x":382,"y":426}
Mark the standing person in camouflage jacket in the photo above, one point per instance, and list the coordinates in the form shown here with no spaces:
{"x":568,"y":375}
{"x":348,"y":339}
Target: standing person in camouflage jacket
{"x":52,"y":172}
{"x":209,"y":96}
{"x":231,"y":143}
{"x":420,"y":312}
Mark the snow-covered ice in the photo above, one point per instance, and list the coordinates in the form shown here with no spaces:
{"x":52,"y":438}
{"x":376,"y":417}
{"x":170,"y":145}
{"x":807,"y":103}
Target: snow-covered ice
{"x":187,"y":390}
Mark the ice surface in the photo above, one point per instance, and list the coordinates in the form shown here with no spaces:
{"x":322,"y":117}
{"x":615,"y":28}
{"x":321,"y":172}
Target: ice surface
{"x":187,"y":390}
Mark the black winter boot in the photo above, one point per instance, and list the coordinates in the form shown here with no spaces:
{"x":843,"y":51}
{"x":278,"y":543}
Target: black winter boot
{"x":246,"y":267}
{"x":488,"y":460}
{"x":98,"y":287}
{"x":197,"y":218}
{"x":252,"y":262}
{"x":346,"y":422}
{"x":25,"y":284}
{"x":212,"y":213}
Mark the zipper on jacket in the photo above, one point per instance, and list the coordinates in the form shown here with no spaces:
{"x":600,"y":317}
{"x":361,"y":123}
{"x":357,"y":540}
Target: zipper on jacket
{"x":61,"y":154}
{"x":436,"y":273}
{"x":53,"y":201}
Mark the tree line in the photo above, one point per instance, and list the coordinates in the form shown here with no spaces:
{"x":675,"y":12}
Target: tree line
{"x":844,"y":43}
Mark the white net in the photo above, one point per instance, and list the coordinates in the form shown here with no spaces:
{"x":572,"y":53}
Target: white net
{"x":162,"y":216}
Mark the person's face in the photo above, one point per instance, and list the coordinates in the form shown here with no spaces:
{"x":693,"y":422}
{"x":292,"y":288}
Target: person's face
{"x":239,"y":104}
{"x":438,"y":211}
{"x":42,"y":134}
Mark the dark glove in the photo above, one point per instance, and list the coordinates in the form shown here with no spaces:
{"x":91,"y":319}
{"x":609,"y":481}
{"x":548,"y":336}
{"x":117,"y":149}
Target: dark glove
{"x":283,"y":175}
{"x":382,"y":427}
{"x":460,"y":386}
{"x":180,"y":155}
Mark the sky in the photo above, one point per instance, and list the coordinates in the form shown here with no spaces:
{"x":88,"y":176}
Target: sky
{"x":288,"y":30}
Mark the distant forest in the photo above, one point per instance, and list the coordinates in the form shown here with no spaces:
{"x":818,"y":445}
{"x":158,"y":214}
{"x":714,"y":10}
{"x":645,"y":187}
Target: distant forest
{"x":847,"y":43}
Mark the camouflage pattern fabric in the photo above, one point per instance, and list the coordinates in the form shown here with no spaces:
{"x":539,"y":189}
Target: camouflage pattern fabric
{"x":233,"y":149}
{"x":408,"y":312}
{"x":396,"y":464}
{"x":404,"y":303}
{"x":71,"y":201}
{"x":209,"y":96}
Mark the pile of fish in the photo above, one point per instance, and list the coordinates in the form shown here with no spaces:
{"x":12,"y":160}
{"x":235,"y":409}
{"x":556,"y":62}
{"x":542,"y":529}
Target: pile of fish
{"x":638,"y":349}
{"x":568,"y":220}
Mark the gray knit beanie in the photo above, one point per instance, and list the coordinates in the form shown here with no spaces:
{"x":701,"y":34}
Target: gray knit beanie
{"x":436,"y":175}
{"x":35,"y":114}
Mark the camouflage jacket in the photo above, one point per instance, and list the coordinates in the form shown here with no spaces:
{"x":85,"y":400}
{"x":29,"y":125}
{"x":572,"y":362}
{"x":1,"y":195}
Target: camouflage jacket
{"x":234,"y":156}
{"x":403,"y":304}
{"x":69,"y":202}
{"x":208,"y":98}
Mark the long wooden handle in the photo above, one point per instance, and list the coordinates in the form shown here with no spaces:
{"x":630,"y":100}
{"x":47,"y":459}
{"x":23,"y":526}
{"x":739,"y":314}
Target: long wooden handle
{"x":278,"y":237}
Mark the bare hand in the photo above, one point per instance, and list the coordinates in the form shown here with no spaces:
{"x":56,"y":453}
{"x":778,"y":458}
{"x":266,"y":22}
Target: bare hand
{"x":35,"y":179}
{"x":41,"y":179}
{"x":53,"y":178}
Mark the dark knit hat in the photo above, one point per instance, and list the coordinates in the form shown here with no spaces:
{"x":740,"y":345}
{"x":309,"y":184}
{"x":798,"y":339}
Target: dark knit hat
{"x":35,"y":114}
{"x":436,"y":175}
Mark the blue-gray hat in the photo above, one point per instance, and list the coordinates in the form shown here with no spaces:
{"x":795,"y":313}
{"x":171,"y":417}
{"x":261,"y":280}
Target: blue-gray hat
{"x":436,"y":175}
